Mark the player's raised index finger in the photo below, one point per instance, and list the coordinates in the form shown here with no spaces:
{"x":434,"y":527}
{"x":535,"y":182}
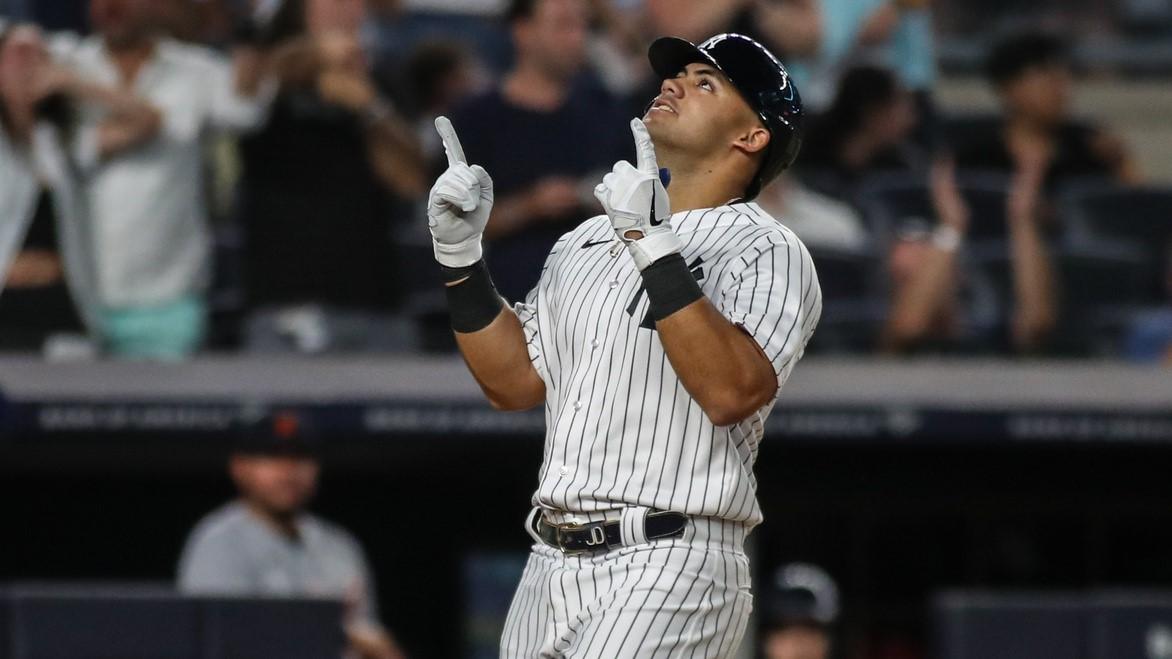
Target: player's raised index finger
{"x":452,"y":145}
{"x":644,"y":148}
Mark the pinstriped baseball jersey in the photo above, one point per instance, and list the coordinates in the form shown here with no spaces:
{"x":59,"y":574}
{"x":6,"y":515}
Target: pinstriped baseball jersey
{"x":621,"y":430}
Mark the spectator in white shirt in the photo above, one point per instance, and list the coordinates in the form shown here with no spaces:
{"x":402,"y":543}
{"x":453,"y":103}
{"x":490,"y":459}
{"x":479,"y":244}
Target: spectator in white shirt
{"x":45,"y":270}
{"x":150,"y":236}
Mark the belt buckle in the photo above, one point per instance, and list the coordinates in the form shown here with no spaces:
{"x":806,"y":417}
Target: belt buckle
{"x":597,"y":541}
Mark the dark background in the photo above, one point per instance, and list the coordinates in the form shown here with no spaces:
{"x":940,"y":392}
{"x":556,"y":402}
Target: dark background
{"x":892,"y":522}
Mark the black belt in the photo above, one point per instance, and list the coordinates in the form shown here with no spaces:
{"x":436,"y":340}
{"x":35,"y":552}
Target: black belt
{"x":605,"y":536}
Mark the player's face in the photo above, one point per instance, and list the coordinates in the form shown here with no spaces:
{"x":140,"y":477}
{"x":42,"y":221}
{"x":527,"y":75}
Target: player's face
{"x":797,"y":643}
{"x":699,"y":111}
{"x":281,"y":485}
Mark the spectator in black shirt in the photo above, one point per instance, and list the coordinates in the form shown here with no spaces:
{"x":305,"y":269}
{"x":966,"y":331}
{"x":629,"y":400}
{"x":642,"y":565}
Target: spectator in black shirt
{"x":547,"y":134}
{"x":1031,"y":73}
{"x":866,"y":130}
{"x":35,"y":303}
{"x":318,"y":188}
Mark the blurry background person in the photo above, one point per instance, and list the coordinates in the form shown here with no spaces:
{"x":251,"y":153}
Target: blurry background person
{"x":440,"y":75}
{"x":927,"y":280}
{"x":799,"y":612}
{"x":265,"y":543}
{"x":925,"y":274}
{"x":46,"y":274}
{"x":149,"y":230}
{"x":867,"y":130}
{"x":544,"y":133}
{"x":623,"y":30}
{"x":1031,"y":73}
{"x":318,"y":190}
{"x":836,"y":34}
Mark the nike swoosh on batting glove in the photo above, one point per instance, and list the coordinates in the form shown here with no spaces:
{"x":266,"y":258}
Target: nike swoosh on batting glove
{"x":637,"y":204}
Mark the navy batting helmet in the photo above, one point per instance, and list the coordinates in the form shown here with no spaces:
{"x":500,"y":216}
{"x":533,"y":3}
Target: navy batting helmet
{"x":760,"y":78}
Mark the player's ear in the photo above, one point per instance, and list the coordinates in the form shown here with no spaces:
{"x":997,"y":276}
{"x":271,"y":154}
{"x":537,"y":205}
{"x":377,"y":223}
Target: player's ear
{"x":752,"y":140}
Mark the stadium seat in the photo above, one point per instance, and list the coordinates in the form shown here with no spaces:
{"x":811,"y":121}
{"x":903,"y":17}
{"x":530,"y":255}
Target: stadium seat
{"x":1139,"y":219}
{"x":853,"y":306}
{"x":1112,"y":211}
{"x":1104,"y":285}
{"x":890,"y":200}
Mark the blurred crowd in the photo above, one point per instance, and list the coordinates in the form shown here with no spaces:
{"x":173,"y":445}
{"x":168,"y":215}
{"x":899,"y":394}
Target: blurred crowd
{"x":250,"y":175}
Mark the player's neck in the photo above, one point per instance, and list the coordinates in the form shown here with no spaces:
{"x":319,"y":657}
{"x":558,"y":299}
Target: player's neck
{"x":696,"y":185}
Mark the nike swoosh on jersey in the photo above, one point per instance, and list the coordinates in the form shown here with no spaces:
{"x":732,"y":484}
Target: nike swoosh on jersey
{"x":592,"y":243}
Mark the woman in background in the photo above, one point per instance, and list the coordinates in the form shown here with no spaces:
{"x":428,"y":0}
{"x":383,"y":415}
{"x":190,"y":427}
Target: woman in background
{"x":45,"y":264}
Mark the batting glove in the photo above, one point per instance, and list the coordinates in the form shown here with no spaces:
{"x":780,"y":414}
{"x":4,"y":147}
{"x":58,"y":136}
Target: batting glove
{"x":459,"y":204}
{"x":636,"y":202}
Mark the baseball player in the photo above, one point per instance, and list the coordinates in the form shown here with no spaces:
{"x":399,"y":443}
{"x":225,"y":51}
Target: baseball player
{"x":658,"y":338}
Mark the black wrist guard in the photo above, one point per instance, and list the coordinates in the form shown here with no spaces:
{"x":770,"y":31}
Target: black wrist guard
{"x":670,"y":286}
{"x":473,"y":303}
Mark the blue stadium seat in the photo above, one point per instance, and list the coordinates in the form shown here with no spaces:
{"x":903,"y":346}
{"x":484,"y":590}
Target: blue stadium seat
{"x":1122,"y":238}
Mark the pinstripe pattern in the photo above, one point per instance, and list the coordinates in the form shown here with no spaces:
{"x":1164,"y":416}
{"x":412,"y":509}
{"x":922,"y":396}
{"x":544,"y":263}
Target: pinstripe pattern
{"x":622,"y":436}
{"x":685,"y":597}
{"x":621,"y":429}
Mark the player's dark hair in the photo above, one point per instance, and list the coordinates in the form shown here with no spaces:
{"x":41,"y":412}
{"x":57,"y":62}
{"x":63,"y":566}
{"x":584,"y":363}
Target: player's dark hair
{"x":1018,"y":53}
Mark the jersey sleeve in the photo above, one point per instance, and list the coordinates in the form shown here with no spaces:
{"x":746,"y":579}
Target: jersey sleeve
{"x":538,"y":304}
{"x":772,"y":293}
{"x":527,"y":313}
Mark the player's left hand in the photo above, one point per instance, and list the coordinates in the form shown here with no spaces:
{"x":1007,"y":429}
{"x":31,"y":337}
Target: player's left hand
{"x":636,"y":202}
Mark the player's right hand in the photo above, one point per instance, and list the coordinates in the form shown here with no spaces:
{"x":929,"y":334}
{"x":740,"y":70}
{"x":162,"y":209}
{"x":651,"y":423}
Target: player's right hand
{"x":459,"y":204}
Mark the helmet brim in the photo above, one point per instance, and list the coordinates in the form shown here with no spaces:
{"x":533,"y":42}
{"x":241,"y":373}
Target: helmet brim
{"x":670,"y":55}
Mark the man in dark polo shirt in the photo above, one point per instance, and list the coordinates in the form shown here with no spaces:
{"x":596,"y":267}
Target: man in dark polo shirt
{"x":547,"y":134}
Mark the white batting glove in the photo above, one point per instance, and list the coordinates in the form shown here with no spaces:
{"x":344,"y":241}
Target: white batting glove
{"x":459,"y":204}
{"x":637,"y":204}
